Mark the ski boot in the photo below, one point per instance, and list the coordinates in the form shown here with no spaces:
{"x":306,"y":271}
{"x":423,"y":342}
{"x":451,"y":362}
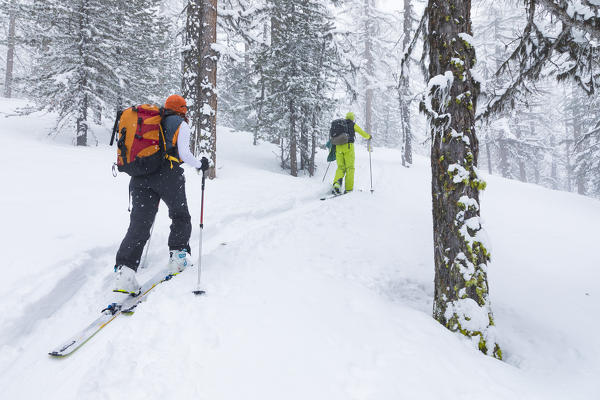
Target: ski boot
{"x":337,"y":188}
{"x":125,"y":281}
{"x":178,"y":261}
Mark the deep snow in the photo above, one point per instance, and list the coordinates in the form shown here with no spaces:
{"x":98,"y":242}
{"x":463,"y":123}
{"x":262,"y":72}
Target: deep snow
{"x":305,"y":299}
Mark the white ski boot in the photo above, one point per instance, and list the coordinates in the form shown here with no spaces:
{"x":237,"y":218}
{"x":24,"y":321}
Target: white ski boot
{"x":125,"y":281}
{"x":178,"y":261}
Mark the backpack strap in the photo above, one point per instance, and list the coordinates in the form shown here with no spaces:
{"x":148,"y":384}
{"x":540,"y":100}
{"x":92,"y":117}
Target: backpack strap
{"x":164,"y":113}
{"x":115,"y":127}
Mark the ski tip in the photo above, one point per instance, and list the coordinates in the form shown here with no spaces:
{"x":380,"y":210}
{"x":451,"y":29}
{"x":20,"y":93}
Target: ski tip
{"x":199,"y":292}
{"x":56,"y":354}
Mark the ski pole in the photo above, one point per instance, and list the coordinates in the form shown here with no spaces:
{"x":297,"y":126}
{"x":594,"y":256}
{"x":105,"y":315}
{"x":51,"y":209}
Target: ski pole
{"x":370,"y":164}
{"x":198,"y":291}
{"x":145,"y":259}
{"x":327,"y":170}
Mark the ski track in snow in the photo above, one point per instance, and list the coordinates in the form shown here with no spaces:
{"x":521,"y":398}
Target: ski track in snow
{"x":305,"y":299}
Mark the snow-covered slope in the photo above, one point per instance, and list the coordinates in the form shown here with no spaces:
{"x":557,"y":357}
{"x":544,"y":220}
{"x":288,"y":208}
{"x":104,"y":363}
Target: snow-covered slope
{"x":305,"y":299}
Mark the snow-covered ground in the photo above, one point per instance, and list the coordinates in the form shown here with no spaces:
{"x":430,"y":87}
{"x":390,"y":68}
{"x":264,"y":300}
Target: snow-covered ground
{"x":305,"y":299}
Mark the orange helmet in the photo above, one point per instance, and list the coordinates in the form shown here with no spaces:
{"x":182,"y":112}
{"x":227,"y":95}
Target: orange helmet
{"x":176,"y":103}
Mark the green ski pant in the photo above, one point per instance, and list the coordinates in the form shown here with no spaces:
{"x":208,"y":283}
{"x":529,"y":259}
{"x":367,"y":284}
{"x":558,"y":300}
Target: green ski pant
{"x":344,"y":155}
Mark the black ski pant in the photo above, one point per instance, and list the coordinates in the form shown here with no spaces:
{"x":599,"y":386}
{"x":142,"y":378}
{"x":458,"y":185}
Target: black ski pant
{"x":168,"y":185}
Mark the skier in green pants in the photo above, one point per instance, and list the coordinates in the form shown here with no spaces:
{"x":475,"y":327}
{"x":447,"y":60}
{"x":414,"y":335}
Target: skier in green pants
{"x":344,"y":154}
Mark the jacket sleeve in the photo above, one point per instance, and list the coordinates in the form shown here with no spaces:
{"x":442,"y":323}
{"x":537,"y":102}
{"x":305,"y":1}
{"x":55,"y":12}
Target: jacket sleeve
{"x":362,"y":133}
{"x":183,"y":146}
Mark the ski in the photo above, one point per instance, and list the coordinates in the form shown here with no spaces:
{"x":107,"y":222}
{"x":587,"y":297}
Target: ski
{"x":108,"y":314}
{"x":331,"y":196}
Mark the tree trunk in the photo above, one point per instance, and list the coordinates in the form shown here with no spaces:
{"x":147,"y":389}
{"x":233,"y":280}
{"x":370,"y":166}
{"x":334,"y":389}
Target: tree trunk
{"x":554,"y":167}
{"x":504,"y":165}
{"x":313,"y":147}
{"x":579,"y":177}
{"x":522,"y":171}
{"x":370,"y":69}
{"x":536,"y":157}
{"x":261,"y":102}
{"x":405,"y":123}
{"x":405,"y":91}
{"x":200,"y":76}
{"x":304,"y":139}
{"x":461,"y":300}
{"x":489,"y":156}
{"x":82,"y":115}
{"x":10,"y":50}
{"x":293,"y":141}
{"x":82,"y":123}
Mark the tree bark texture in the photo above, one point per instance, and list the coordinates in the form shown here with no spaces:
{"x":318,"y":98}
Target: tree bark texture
{"x":293,"y":140}
{"x":370,"y":67}
{"x":83,"y":48}
{"x":461,"y":300}
{"x":10,"y":50}
{"x":404,"y":91}
{"x":200,"y":76}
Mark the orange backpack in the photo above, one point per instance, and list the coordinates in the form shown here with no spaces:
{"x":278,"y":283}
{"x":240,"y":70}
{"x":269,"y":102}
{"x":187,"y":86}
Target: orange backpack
{"x":140,"y":144}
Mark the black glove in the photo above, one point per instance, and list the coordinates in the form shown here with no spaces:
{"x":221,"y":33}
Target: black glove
{"x":204,"y":162}
{"x":370,"y":137}
{"x":203,"y":165}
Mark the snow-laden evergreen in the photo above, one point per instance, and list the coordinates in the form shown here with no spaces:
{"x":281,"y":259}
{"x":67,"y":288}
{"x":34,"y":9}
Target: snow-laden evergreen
{"x":372,"y":50}
{"x":298,"y":67}
{"x":86,"y":65}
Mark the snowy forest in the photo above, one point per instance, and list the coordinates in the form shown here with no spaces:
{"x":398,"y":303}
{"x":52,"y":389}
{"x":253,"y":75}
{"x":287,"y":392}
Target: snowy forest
{"x":365,"y":56}
{"x":476,"y":93}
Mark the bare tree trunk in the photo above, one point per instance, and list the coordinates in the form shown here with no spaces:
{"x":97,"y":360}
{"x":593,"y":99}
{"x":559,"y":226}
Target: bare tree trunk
{"x":370,"y":68}
{"x":522,"y":170}
{"x":82,"y":122}
{"x":304,"y":140}
{"x":504,"y":165}
{"x":579,"y":177}
{"x":536,"y":169}
{"x":10,"y":51}
{"x":405,"y":123}
{"x":489,"y":156}
{"x":293,"y":140}
{"x":313,"y":148}
{"x":536,"y":159}
{"x":553,"y":168}
{"x":461,"y":300}
{"x":404,"y":91}
{"x":569,"y":166}
{"x":200,"y":76}
{"x":82,"y":116}
{"x":261,"y":102}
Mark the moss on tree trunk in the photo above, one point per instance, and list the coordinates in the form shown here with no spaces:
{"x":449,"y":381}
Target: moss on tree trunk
{"x":461,"y":291}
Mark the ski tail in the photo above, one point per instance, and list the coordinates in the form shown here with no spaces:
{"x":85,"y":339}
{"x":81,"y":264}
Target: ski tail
{"x":108,"y":314}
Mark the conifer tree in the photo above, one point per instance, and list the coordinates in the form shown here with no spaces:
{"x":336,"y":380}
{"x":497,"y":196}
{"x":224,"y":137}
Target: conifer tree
{"x":93,"y":57}
{"x":298,"y":68}
{"x":72,"y":73}
{"x":372,"y":35}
